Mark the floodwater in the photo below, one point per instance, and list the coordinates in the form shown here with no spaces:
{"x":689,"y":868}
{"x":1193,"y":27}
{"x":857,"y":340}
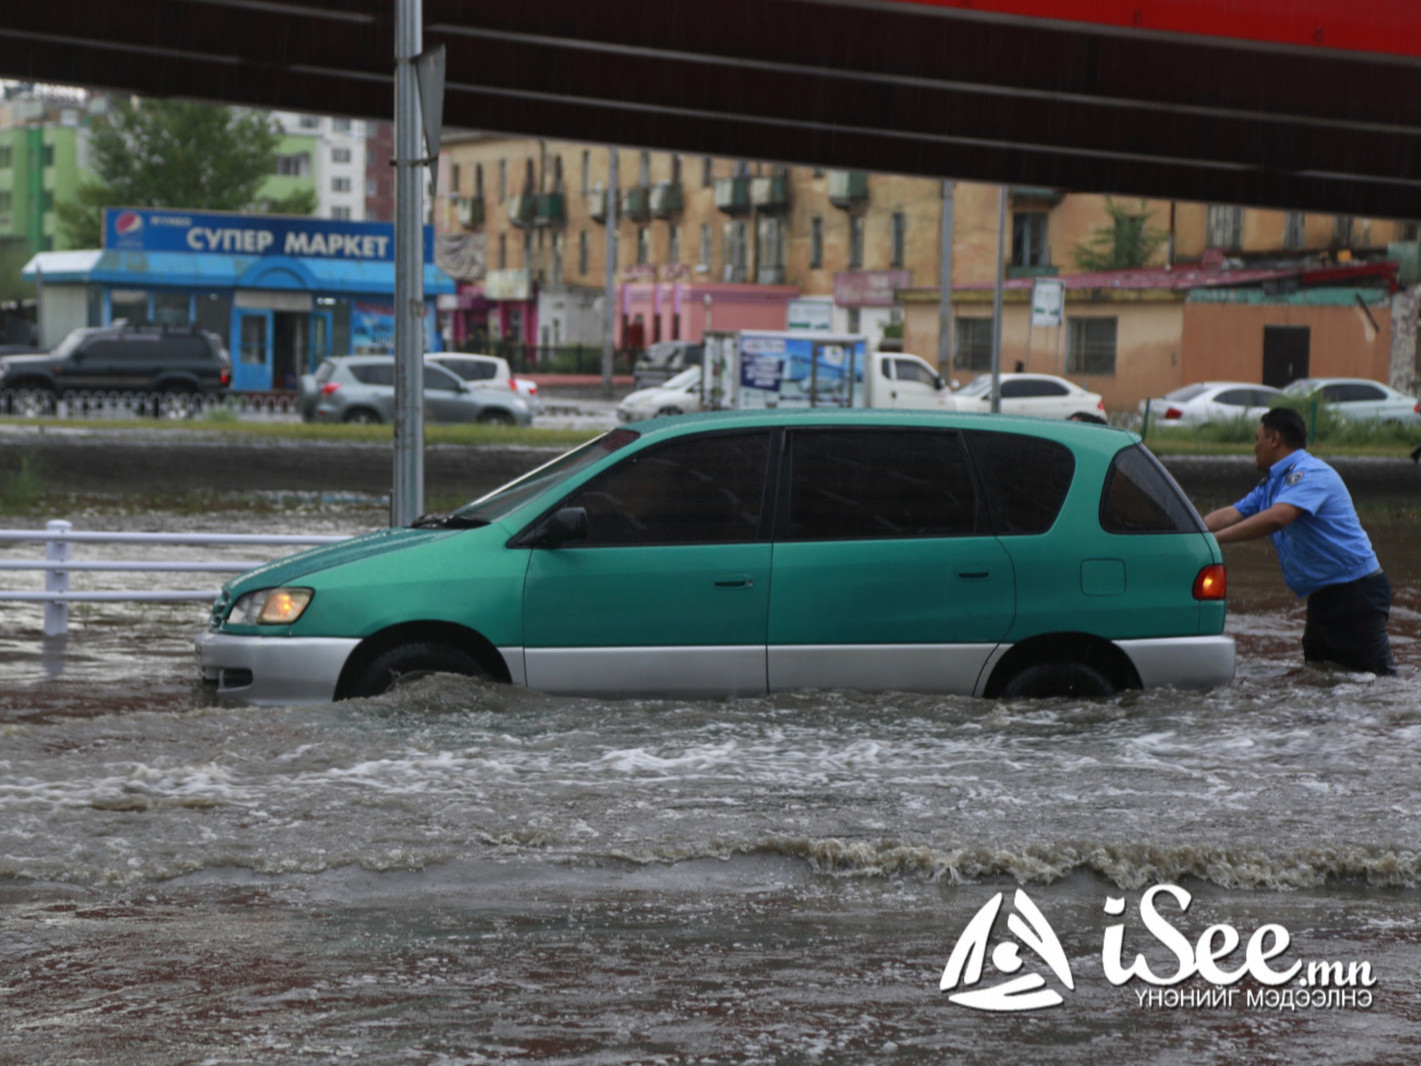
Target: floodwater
{"x":464,"y":873}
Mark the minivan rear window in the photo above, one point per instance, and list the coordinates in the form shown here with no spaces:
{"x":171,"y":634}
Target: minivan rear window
{"x":1025,"y":478}
{"x":1139,"y":496}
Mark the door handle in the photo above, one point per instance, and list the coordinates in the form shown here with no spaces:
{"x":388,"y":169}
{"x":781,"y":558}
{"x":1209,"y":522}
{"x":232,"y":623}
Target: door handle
{"x":975,"y":573}
{"x":734,"y":581}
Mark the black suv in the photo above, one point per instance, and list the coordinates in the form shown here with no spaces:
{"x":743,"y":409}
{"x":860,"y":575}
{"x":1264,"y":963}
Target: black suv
{"x":174,"y":365}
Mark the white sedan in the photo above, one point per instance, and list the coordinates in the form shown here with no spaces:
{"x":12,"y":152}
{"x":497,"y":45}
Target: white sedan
{"x":1359,"y":399}
{"x":679,"y":395}
{"x":1041,"y":395}
{"x":489,"y":371}
{"x":1211,"y":401}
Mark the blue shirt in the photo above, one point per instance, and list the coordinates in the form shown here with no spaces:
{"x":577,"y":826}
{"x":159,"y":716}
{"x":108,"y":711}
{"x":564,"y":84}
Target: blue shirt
{"x":1326,"y":544}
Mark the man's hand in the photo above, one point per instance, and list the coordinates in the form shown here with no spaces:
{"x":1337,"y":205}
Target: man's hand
{"x":1228,"y":526}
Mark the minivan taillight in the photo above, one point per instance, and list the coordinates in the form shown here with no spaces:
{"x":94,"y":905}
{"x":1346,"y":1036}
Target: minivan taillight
{"x":1211,"y":583}
{"x":329,"y":387}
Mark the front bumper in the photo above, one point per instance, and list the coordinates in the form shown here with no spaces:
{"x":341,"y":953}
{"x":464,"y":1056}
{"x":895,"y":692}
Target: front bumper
{"x":273,"y":671}
{"x":1181,"y":662}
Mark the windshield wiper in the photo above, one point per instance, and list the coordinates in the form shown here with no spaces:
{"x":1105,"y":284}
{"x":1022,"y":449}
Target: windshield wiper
{"x":453,"y":520}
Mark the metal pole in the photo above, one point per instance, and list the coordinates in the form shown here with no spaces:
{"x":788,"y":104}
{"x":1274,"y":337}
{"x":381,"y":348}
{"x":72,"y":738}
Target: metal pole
{"x":944,"y":302}
{"x":56,"y":615}
{"x":407,"y":499}
{"x":997,"y":300}
{"x":609,"y":298}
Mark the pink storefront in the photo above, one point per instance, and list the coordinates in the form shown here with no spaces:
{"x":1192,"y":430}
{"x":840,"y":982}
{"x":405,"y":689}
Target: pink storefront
{"x":663,"y":310}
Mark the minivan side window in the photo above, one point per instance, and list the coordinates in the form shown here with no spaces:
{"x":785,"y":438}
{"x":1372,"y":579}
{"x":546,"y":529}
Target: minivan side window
{"x":862,"y":484}
{"x":1140,"y":497}
{"x":1025,"y":479}
{"x":707,"y":489}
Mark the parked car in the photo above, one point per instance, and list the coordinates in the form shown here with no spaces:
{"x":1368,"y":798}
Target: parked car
{"x":678,"y":396}
{"x":1211,"y":401}
{"x":491,"y":371}
{"x":1039,"y":395}
{"x":361,"y":388}
{"x":174,"y":366}
{"x":1359,"y":399}
{"x":906,"y":550}
{"x":665,"y":360}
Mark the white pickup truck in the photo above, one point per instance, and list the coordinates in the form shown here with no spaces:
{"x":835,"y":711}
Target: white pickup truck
{"x":804,"y":368}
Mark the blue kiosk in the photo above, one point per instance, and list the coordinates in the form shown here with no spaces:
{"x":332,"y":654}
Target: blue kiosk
{"x":284,"y":292}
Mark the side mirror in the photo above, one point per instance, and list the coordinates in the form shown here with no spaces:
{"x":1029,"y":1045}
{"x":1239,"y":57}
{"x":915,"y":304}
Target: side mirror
{"x":565,"y":524}
{"x":939,"y":384}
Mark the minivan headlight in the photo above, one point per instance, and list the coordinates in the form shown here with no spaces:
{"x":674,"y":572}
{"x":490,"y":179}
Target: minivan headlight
{"x":270,"y":607}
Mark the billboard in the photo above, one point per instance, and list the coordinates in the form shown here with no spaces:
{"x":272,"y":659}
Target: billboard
{"x":131,"y":229}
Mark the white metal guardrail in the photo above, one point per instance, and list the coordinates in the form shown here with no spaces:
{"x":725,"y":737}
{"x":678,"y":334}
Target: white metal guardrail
{"x":58,"y":537}
{"x":100,"y":404}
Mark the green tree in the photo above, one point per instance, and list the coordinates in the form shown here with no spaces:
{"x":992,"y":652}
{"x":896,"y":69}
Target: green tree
{"x":1125,"y":242}
{"x":14,"y":254}
{"x":177,"y":154}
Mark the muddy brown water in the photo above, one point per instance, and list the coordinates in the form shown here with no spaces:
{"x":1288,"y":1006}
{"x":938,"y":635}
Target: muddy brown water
{"x":466,"y":873}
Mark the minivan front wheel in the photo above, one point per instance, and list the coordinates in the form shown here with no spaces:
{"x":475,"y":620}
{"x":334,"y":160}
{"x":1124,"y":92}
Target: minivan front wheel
{"x":409,"y":662}
{"x":1058,"y":679}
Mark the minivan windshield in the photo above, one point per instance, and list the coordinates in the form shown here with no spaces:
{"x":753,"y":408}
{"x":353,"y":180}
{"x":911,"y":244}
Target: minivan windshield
{"x":508,"y":498}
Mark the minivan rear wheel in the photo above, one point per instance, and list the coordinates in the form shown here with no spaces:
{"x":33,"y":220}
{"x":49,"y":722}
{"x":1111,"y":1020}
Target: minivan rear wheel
{"x":1058,"y":679}
{"x":409,"y":662}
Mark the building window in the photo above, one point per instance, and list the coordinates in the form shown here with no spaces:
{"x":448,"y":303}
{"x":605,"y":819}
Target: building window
{"x":1294,"y":230}
{"x":557,"y":258}
{"x":454,"y":177}
{"x":5,"y":199}
{"x":1090,"y":347}
{"x":372,"y":187}
{"x":1411,"y":231}
{"x":900,"y":237}
{"x":586,"y":172}
{"x":1028,"y":238}
{"x":502,"y":180}
{"x":643,"y":245}
{"x":705,"y":253}
{"x":6,"y":155}
{"x":676,"y":170}
{"x":479,"y":181}
{"x":293,"y":166}
{"x":46,"y":155}
{"x":643,"y":173}
{"x":1225,"y":226}
{"x":1342,"y":231}
{"x":582,"y":251}
{"x":673,"y":253}
{"x":973,"y":350}
{"x":855,"y":319}
{"x":734,"y":251}
{"x":503,"y":251}
{"x":816,"y":243}
{"x":340,"y":212}
{"x":340,"y":125}
{"x":707,"y":172}
{"x":770,"y":255}
{"x":310,"y":122}
{"x":340,"y":185}
{"x":856,"y":242}
{"x":341,"y":155}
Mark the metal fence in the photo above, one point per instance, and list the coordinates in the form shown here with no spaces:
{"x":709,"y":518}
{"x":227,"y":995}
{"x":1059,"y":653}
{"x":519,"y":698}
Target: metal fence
{"x":117,"y":406}
{"x":58,"y":537}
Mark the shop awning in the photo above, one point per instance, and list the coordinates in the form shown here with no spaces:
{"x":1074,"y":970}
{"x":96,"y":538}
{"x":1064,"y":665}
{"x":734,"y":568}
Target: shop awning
{"x":188,"y":270}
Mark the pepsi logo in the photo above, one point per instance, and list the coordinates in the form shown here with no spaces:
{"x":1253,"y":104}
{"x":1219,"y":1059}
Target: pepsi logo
{"x":127,"y":223}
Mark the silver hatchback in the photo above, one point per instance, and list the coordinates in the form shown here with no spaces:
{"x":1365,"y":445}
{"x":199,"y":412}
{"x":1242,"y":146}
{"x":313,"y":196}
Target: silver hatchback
{"x":361,"y":388}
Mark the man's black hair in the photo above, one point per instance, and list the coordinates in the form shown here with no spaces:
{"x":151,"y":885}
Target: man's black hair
{"x":1289,"y":425}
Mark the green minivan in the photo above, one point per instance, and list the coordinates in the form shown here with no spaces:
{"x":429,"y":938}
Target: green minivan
{"x":742,"y":553}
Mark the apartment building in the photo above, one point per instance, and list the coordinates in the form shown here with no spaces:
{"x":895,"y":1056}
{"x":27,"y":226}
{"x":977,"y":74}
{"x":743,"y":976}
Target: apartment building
{"x":325,"y":154}
{"x":723,"y":243}
{"x":44,"y":154}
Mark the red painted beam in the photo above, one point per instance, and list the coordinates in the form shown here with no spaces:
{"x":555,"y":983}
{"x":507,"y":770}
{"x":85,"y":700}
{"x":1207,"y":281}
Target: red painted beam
{"x":1379,"y":27}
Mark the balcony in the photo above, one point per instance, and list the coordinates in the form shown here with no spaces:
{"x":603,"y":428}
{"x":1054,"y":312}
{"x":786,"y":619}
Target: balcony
{"x":637,"y":205}
{"x":666,"y":199}
{"x":848,"y":189}
{"x":732,"y":195}
{"x":770,"y":194}
{"x":521,"y":208}
{"x":469,"y":211}
{"x":597,"y":204}
{"x":549,"y":209}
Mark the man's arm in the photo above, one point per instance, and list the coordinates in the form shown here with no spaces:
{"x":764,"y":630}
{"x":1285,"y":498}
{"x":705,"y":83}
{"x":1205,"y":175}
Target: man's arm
{"x":1228,"y":526}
